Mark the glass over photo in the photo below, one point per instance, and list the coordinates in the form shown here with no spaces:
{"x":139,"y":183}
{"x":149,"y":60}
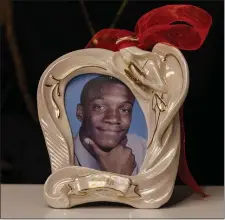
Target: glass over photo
{"x":108,"y":126}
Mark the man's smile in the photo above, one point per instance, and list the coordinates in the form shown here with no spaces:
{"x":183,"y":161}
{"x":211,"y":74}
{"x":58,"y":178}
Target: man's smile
{"x":110,"y":130}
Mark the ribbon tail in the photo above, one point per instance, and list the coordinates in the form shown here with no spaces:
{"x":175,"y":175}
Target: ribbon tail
{"x":183,"y":170}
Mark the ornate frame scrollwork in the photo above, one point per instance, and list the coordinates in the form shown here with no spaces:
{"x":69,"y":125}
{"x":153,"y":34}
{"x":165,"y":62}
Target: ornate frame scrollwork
{"x":159,"y":80}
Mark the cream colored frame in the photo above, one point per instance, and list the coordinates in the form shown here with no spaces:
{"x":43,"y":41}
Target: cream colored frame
{"x":160,"y":93}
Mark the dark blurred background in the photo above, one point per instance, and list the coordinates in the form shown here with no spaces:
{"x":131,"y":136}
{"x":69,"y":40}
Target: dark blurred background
{"x":46,"y":30}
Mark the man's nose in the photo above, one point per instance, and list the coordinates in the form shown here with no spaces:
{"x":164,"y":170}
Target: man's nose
{"x":112,"y":117}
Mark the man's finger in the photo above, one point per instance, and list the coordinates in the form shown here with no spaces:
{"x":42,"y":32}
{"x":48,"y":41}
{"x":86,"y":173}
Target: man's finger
{"x":94,"y":147}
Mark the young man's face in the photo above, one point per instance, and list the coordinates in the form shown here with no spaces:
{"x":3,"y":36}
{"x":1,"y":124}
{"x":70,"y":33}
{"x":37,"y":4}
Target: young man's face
{"x":106,"y":114}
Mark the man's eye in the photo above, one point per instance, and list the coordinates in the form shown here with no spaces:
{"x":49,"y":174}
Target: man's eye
{"x":125,"y":110}
{"x":99,"y":108}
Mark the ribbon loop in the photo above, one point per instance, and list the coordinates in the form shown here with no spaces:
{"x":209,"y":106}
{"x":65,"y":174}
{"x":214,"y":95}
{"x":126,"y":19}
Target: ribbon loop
{"x":164,"y":25}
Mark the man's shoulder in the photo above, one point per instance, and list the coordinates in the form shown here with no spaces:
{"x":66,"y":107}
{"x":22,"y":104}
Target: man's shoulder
{"x":139,"y":146}
{"x":134,"y":139}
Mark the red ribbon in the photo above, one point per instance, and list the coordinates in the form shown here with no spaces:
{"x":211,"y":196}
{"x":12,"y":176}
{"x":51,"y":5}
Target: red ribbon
{"x":181,"y":26}
{"x":160,"y":25}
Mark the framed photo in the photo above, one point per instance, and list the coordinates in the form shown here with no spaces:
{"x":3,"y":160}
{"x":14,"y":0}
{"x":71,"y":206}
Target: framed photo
{"x":111,"y":125}
{"x":104,"y":117}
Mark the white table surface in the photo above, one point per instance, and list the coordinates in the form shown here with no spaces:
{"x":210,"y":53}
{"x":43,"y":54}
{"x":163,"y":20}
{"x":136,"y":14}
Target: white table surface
{"x":26,"y":201}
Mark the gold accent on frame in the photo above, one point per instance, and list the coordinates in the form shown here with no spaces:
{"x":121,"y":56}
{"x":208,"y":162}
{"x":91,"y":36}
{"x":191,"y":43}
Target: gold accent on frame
{"x":55,"y":89}
{"x":127,"y":38}
{"x":161,"y":106}
{"x":54,"y":102}
{"x":130,"y":74}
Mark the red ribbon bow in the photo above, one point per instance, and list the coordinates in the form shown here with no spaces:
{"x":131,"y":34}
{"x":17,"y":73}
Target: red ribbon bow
{"x":181,"y":26}
{"x":160,"y":25}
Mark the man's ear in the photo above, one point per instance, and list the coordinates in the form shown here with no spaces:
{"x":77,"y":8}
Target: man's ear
{"x":79,"y":112}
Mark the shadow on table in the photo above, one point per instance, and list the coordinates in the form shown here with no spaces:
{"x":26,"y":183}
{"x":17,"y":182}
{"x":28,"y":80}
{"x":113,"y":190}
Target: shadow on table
{"x":180,"y":193}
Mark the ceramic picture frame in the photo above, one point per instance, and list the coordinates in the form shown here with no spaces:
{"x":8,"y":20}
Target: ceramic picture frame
{"x":90,"y":102}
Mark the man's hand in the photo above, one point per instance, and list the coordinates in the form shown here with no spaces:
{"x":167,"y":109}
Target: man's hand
{"x":119,"y":160}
